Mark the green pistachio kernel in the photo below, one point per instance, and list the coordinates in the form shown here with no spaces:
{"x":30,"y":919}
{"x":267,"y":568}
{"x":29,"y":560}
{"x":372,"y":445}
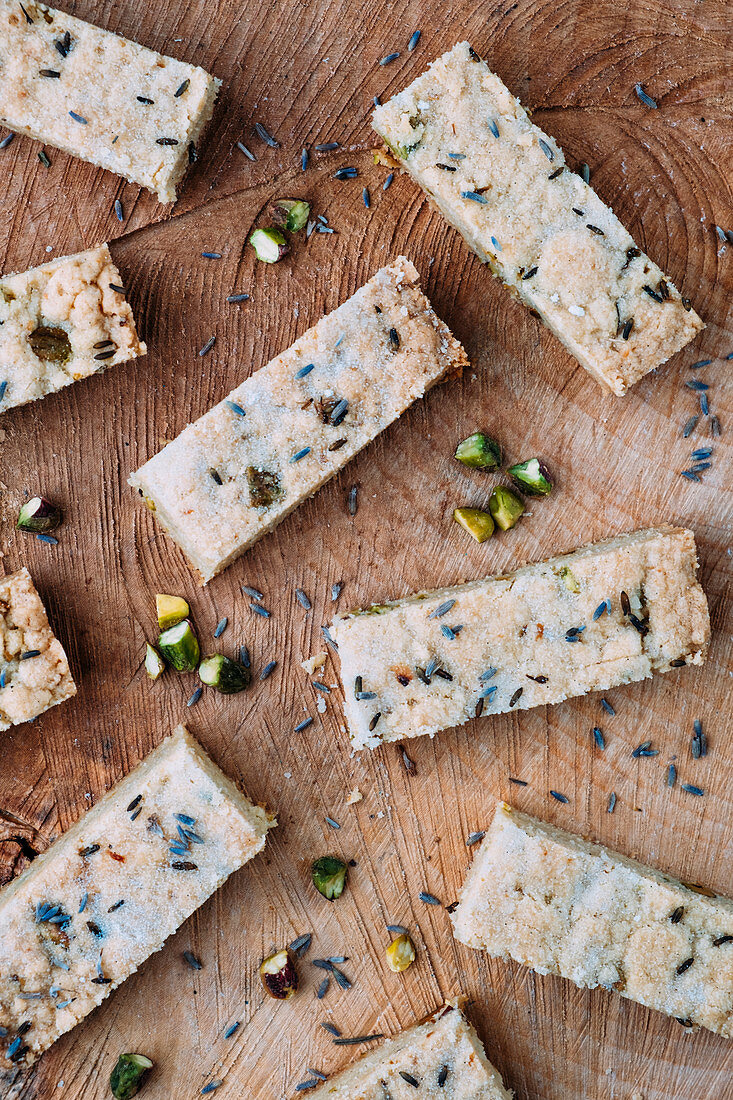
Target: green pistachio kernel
{"x":224,"y":674}
{"x":269,"y":245}
{"x":264,"y":487}
{"x":38,"y":515}
{"x":532,"y":476}
{"x":291,"y":214}
{"x":180,"y":646}
{"x":170,"y":610}
{"x":479,"y":525}
{"x":569,"y":579}
{"x":50,"y":344}
{"x":479,"y":451}
{"x":506,"y":507}
{"x":154,"y":663}
{"x":128,"y":1075}
{"x":329,"y":876}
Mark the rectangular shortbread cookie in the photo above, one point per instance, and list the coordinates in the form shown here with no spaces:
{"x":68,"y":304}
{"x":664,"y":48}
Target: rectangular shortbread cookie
{"x":60,"y":322}
{"x":110,"y":891}
{"x":34,"y":671}
{"x":540,"y":635}
{"x":504,"y":185}
{"x":560,"y":905}
{"x":241,"y":468}
{"x":101,"y":97}
{"x":442,"y":1058}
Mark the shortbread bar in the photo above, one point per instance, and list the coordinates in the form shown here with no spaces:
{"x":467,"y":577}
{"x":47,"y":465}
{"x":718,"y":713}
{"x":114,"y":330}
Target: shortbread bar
{"x":101,"y":97}
{"x":604,"y":615}
{"x":504,"y":185}
{"x":60,"y":322}
{"x":237,"y":472}
{"x":34,"y":671}
{"x":442,"y":1059}
{"x":553,"y":901}
{"x":108,"y":893}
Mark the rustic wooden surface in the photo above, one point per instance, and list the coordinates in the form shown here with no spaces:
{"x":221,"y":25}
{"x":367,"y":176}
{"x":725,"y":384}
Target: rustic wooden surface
{"x":309,"y":73}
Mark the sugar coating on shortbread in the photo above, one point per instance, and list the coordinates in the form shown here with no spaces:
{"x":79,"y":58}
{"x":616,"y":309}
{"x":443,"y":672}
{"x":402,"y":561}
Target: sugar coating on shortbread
{"x":61,"y":322}
{"x":34,"y":671}
{"x":604,"y":615}
{"x":235,"y":473}
{"x":440,"y":1058}
{"x":554,"y":902}
{"x":108,"y":893}
{"x":101,"y":97}
{"x":504,"y":185}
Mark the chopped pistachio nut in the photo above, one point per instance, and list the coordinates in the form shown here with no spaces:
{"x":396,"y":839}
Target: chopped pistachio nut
{"x":532,"y":476}
{"x":52,"y":345}
{"x":278,"y":974}
{"x":180,"y":646}
{"x":38,"y":515}
{"x":506,"y":507}
{"x":264,"y":487}
{"x":128,"y":1075}
{"x":569,"y":580}
{"x":479,"y":525}
{"x":170,"y":610}
{"x":269,"y":245}
{"x":400,"y":954}
{"x":224,"y":674}
{"x":479,"y":451}
{"x":291,"y":214}
{"x":154,"y":663}
{"x":329,"y":876}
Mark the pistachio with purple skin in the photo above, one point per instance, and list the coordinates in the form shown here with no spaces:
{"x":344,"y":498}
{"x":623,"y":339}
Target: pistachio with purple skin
{"x":278,"y":974}
{"x":532,"y":476}
{"x":38,"y":515}
{"x":269,"y":245}
{"x":291,"y":214}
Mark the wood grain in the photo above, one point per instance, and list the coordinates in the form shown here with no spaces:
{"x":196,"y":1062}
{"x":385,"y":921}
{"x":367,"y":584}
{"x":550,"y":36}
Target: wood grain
{"x":309,"y":73}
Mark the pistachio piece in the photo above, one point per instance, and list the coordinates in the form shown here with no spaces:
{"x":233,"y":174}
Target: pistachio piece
{"x":329,"y":876}
{"x":291,"y":214}
{"x":38,"y":515}
{"x":479,"y":525}
{"x":224,"y":674}
{"x":532,"y":476}
{"x":50,"y":344}
{"x":479,"y":451}
{"x":569,"y":579}
{"x":264,"y":487}
{"x":400,"y":954}
{"x":170,"y":610}
{"x":278,"y":974}
{"x":154,"y":663}
{"x":180,"y":646}
{"x":506,"y":507}
{"x":269,"y":245}
{"x":127,"y":1077}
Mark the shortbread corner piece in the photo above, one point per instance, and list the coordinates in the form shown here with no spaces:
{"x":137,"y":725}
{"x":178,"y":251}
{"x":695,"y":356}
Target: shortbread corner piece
{"x":440,"y":1058}
{"x":505,"y":186}
{"x":109,"y":892}
{"x":34,"y":671}
{"x":61,"y":322}
{"x":101,"y":97}
{"x":550,"y":900}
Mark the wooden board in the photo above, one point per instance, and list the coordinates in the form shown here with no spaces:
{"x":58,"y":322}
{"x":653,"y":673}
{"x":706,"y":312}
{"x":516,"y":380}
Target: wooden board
{"x":309,"y":74}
